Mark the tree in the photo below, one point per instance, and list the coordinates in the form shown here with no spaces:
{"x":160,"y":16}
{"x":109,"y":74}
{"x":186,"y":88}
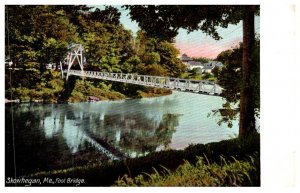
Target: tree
{"x":201,"y":59}
{"x":40,"y":34}
{"x":247,"y":116}
{"x":164,"y":21}
{"x":215,"y":71}
{"x":152,"y":58}
{"x":168,"y":54}
{"x":230,"y":78}
{"x":109,"y":15}
{"x":73,"y":12}
{"x":152,"y":50}
{"x":130,"y":64}
{"x":37,"y":35}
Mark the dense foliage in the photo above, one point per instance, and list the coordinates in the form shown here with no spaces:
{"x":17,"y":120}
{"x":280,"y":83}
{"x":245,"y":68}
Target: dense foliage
{"x":40,"y":35}
{"x":158,"y":57}
{"x":229,"y":78}
{"x":164,"y":21}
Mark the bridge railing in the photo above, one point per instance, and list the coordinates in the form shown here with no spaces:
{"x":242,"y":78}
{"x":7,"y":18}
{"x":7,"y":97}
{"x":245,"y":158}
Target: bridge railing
{"x":199,"y":86}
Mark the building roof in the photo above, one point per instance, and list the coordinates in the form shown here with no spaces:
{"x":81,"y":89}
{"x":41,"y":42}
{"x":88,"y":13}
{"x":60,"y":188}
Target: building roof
{"x":194,"y":63}
{"x":208,"y":67}
{"x":217,"y":63}
{"x":211,"y":64}
{"x":185,"y":57}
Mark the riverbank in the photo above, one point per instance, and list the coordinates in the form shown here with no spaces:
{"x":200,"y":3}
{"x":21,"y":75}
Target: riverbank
{"x":80,"y":90}
{"x":154,"y":92}
{"x":226,"y":153}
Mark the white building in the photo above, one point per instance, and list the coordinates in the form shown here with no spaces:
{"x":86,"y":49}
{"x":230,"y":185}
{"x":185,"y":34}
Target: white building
{"x":193,"y":64}
{"x":211,"y":65}
{"x":203,"y":67}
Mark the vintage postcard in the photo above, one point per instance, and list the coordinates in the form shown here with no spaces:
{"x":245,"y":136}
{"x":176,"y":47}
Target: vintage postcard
{"x":132,"y":95}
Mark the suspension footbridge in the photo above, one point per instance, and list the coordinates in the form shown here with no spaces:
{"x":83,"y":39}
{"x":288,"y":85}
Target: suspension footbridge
{"x":187,"y":85}
{"x":75,"y":56}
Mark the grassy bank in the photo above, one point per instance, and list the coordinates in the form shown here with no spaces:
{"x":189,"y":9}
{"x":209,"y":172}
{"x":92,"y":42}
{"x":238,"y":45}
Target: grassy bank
{"x":202,"y":173}
{"x":215,"y":153}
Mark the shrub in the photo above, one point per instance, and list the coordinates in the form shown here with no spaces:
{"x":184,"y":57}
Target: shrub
{"x":83,"y":89}
{"x":77,"y":96}
{"x":21,"y":93}
{"x":203,"y":173}
{"x":207,"y":76}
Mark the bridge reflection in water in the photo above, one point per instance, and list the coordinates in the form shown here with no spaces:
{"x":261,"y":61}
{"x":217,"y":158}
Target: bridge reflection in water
{"x":53,"y":136}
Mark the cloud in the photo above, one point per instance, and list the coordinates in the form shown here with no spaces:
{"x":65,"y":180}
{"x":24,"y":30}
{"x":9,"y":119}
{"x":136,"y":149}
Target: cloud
{"x":208,"y":50}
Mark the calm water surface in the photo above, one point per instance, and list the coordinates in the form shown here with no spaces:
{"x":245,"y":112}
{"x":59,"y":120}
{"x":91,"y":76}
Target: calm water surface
{"x":53,"y":136}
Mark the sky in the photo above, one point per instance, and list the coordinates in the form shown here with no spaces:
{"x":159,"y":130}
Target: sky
{"x":197,"y":43}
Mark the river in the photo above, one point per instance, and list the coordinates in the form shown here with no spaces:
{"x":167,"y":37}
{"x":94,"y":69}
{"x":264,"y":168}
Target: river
{"x":55,"y":136}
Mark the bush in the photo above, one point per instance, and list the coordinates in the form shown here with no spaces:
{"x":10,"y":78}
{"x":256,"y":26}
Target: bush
{"x":203,"y":173}
{"x":21,"y":93}
{"x":47,"y":89}
{"x":77,"y":96}
{"x":83,"y":89}
{"x":207,"y":76}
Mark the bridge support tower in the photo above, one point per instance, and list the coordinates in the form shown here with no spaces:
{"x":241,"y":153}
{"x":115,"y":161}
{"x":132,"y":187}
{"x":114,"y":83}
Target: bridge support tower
{"x":75,"y":56}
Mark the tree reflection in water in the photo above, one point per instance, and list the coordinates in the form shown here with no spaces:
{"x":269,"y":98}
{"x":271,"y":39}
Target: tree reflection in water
{"x":52,"y":136}
{"x":135,"y":134}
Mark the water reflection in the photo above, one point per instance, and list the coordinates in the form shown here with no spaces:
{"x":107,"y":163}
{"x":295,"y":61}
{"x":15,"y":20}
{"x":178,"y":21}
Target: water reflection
{"x":44,"y":133}
{"x":132,"y":133}
{"x":136,"y":134}
{"x":62,"y":135}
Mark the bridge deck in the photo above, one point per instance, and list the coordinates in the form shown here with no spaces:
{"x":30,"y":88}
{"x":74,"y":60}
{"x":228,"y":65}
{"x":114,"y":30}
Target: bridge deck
{"x":187,"y":85}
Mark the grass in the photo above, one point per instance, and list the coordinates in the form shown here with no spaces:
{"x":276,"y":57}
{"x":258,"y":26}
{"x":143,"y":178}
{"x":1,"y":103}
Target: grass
{"x":108,"y":173}
{"x":202,"y":173}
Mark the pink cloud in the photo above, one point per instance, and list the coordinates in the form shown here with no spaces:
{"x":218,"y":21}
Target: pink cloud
{"x":206,"y":50}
